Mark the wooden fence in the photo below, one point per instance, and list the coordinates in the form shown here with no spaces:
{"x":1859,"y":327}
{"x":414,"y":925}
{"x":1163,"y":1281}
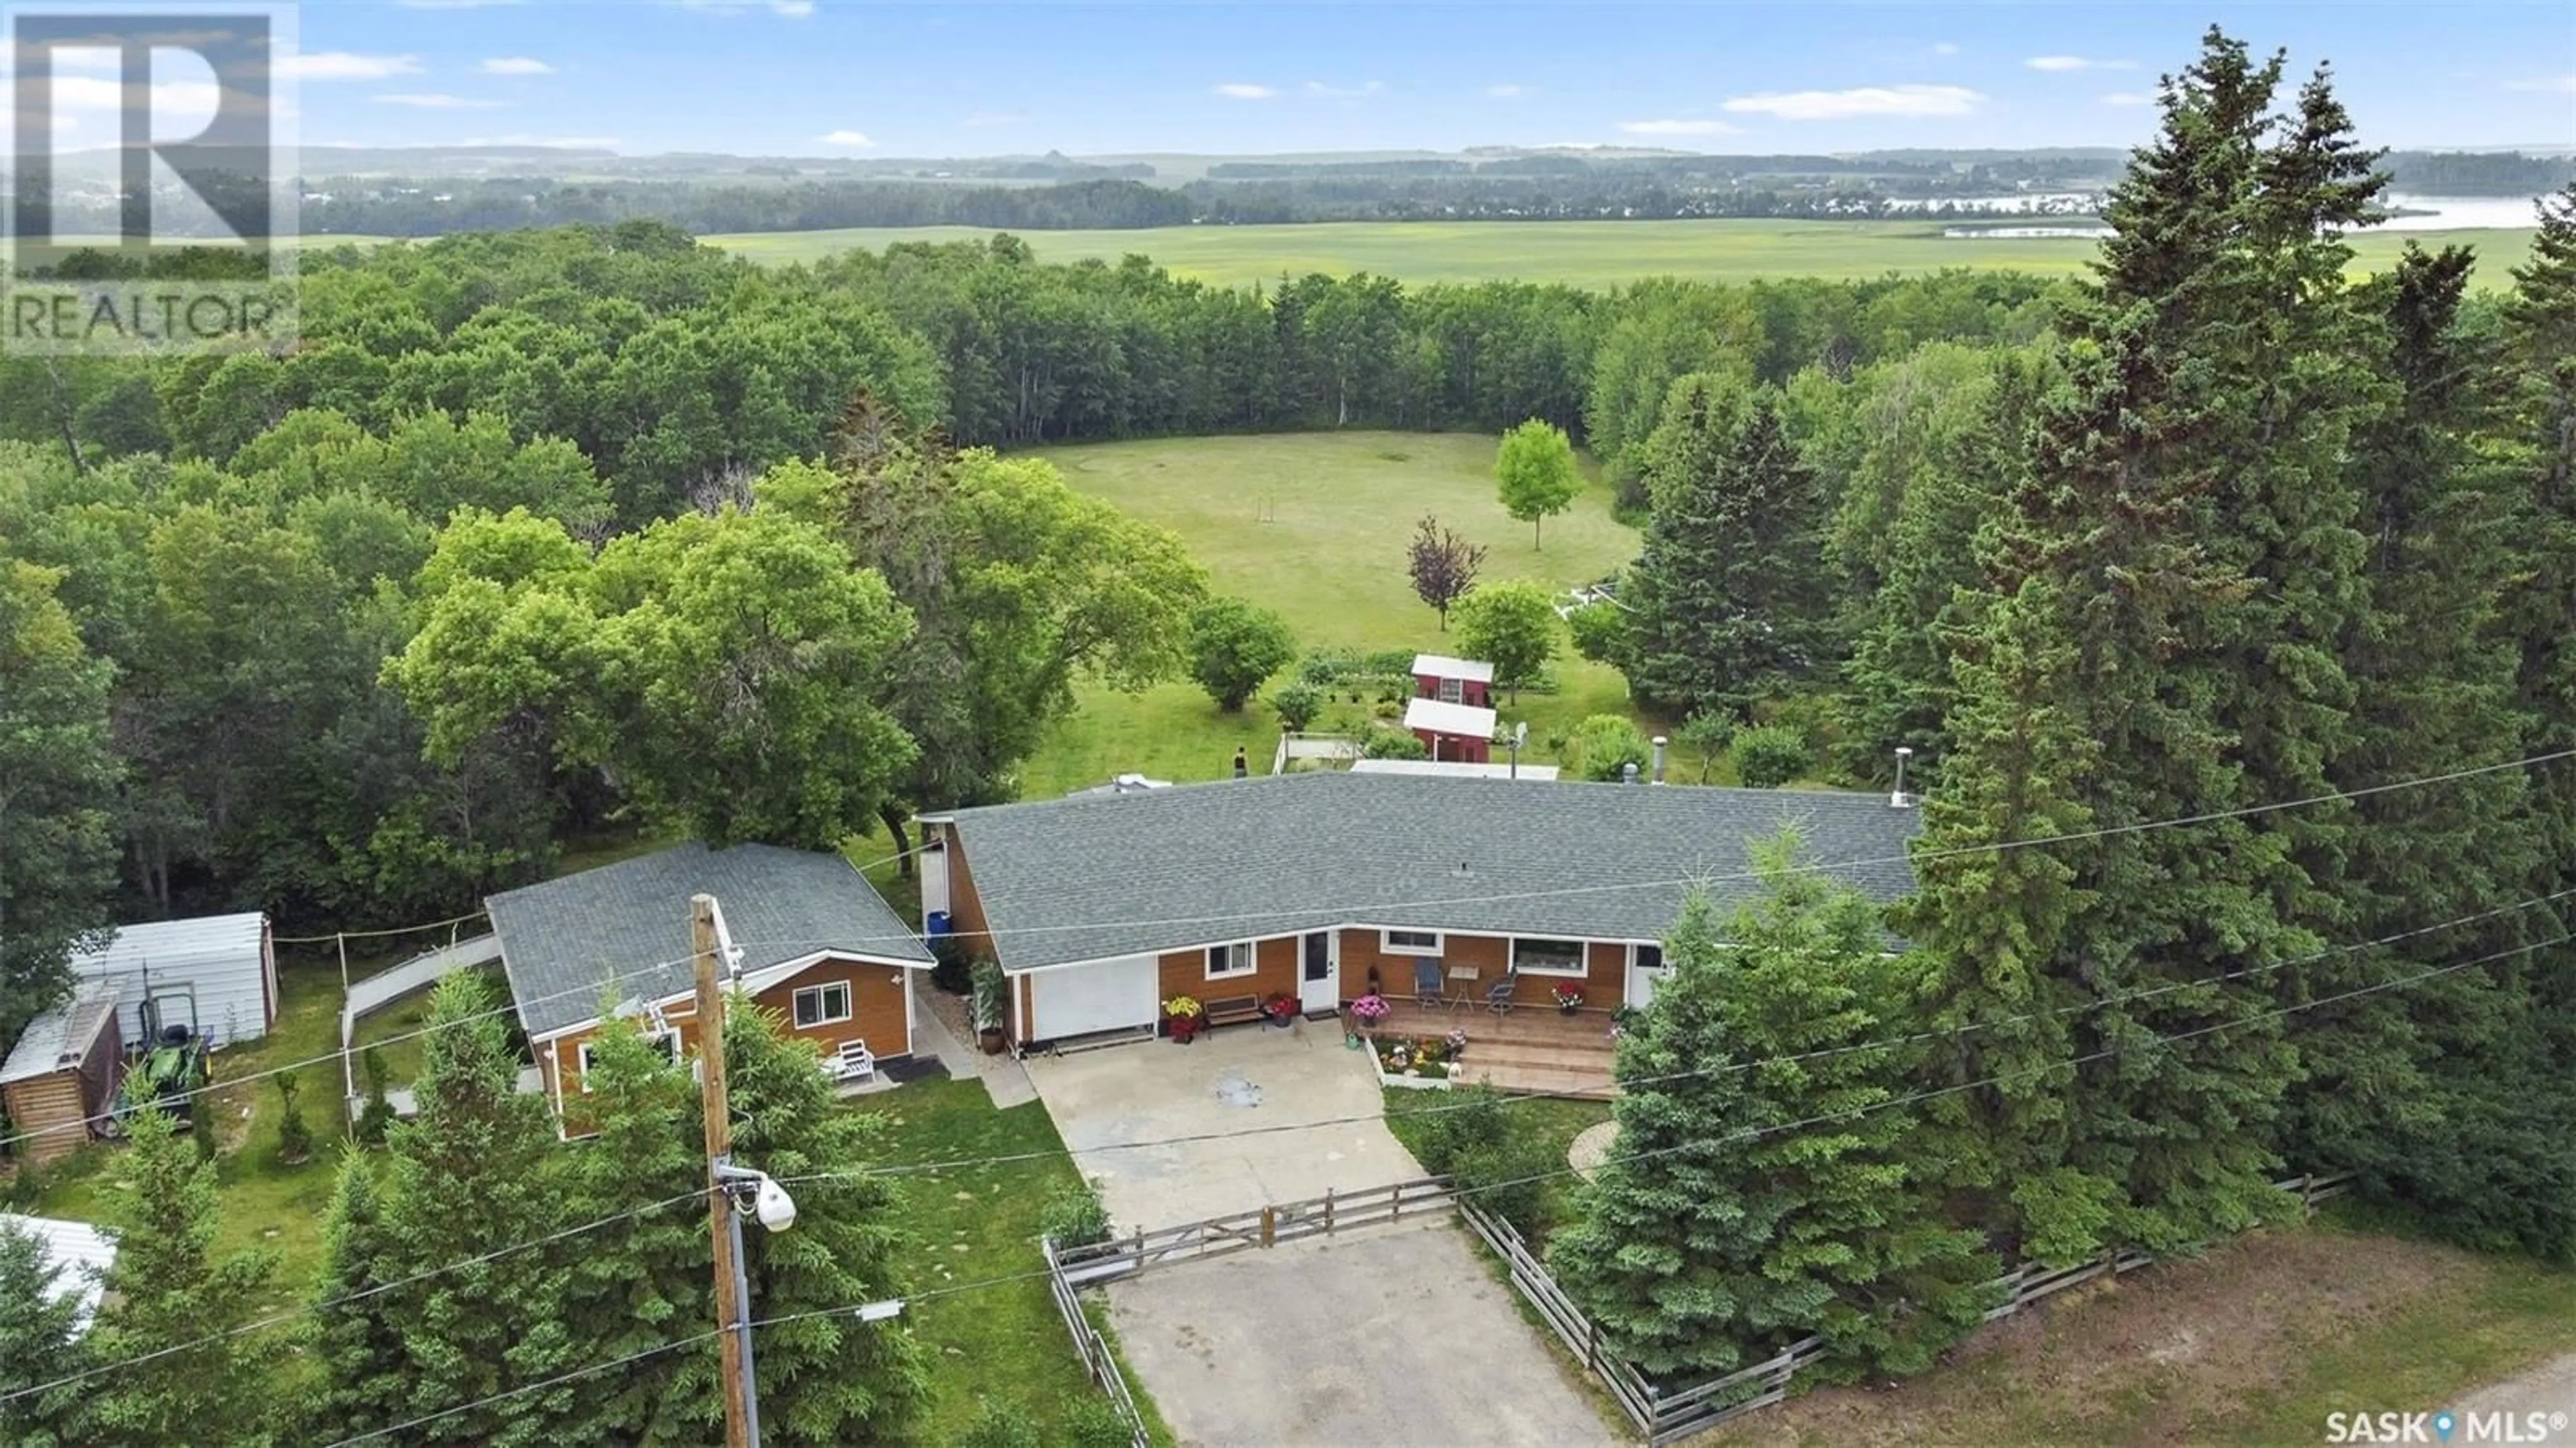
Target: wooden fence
{"x":1666,"y":1414}
{"x":1094,"y":1351}
{"x":1253,"y":1230}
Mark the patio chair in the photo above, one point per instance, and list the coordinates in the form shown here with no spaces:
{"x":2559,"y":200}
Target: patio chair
{"x":1428,"y":985}
{"x":1498,"y":996}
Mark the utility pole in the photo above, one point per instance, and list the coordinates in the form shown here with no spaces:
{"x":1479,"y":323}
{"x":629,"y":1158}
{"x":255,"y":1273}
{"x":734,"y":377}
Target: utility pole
{"x":733,"y":1291}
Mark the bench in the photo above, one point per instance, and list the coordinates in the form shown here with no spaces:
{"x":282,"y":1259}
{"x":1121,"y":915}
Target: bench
{"x":852,"y":1062}
{"x":1233,"y":1010}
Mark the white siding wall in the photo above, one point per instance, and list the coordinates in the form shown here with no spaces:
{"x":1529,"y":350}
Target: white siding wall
{"x":226,"y":960}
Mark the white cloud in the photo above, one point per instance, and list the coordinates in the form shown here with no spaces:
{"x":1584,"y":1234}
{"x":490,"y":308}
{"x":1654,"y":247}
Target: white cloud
{"x":516,"y":65}
{"x":1235,"y":90}
{"x":341,"y":65}
{"x":436,"y":101}
{"x":2077,"y":62}
{"x":1344,"y":93}
{"x":1891,"y":100}
{"x":2563,"y":84}
{"x":2128,"y":98}
{"x":176,"y":104}
{"x":1944,"y":47}
{"x":853,"y":139}
{"x":1680,"y":128}
{"x":1509,"y":92}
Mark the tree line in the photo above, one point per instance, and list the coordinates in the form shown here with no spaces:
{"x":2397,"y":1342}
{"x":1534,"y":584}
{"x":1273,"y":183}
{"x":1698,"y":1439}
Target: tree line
{"x":2243,"y":542}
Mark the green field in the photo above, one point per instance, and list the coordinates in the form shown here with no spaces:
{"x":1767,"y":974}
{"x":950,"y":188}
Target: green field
{"x":1315,"y":525}
{"x":1583,"y":253}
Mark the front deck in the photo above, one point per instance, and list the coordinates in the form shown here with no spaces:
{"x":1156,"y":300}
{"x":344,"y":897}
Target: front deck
{"x":1537,"y":1050}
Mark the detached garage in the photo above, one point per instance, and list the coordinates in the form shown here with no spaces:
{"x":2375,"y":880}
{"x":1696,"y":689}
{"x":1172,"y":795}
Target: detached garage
{"x":216,"y":975}
{"x":1099,"y":998}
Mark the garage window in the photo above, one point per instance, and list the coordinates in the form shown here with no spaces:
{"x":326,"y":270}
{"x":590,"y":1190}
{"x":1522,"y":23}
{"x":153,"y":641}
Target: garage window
{"x":1548,"y":957}
{"x":1409,"y":942}
{"x":1229,"y":960}
{"x":1646,"y":957}
{"x":823,"y":1005}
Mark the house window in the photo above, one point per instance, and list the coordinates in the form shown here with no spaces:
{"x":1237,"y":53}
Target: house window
{"x":1548,"y":957}
{"x":1409,"y":942}
{"x":822,"y":1005}
{"x":1646,"y":957}
{"x":1229,"y":960}
{"x":669,"y":1041}
{"x":1453,"y":691}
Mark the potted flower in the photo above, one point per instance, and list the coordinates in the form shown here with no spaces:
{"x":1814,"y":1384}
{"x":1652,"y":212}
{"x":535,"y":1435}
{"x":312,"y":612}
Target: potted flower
{"x":1457,"y":1043}
{"x":992,"y":995}
{"x":1368,"y":1010}
{"x":1568,"y":998}
{"x":1281,"y":1009}
{"x":1186,"y":1016}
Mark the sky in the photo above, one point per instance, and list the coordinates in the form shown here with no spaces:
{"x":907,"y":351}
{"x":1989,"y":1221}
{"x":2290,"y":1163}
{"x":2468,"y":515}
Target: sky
{"x":849,"y":78}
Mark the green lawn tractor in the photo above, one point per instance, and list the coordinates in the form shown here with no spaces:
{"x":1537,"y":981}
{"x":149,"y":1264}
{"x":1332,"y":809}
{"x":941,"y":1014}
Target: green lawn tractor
{"x":171,"y":1069}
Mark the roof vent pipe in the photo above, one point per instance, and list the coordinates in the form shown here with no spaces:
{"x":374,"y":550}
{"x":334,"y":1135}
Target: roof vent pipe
{"x":1628,"y":773}
{"x":1659,"y":759}
{"x":1900,"y":799}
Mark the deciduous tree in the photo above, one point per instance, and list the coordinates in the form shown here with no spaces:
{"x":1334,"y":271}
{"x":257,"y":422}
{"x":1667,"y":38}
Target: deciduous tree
{"x":1443,"y":566}
{"x":58,"y":779}
{"x":1512,"y":626}
{"x":1235,"y":647}
{"x":1535,"y":474}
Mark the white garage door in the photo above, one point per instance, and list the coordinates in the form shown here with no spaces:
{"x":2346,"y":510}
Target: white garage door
{"x":1114,"y":995}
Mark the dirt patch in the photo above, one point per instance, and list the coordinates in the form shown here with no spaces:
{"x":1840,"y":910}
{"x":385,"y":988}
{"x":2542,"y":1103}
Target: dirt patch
{"x":2154,"y":1357}
{"x":1591,"y":1148}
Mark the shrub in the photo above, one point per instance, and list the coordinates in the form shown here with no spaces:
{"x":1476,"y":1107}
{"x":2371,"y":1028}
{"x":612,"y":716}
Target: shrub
{"x":1235,"y":647}
{"x":1600,"y":631}
{"x":955,"y":972}
{"x":1508,"y":1179}
{"x":376,"y":1119}
{"x":1708,"y":731}
{"x":294,"y":1138}
{"x":1394,"y":744}
{"x":992,"y":994}
{"x":1075,"y":1216}
{"x":1000,"y":1425}
{"x":1297,"y":705}
{"x":1773,"y":755}
{"x":1605,"y":745}
{"x":1090,"y":1422}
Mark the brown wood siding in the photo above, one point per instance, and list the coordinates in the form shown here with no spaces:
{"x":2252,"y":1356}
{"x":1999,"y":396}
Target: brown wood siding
{"x":1274,"y":972}
{"x":965,"y":907}
{"x":50,"y":1109}
{"x":876,"y":1016}
{"x":1604,"y":983}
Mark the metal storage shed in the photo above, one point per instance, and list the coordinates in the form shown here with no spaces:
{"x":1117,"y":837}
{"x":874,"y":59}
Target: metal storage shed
{"x":62,"y":1076}
{"x":80,"y":1255}
{"x":228,"y":963}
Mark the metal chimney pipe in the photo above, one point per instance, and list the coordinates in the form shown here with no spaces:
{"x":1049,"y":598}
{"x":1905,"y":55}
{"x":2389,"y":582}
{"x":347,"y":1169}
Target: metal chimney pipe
{"x":1628,"y":773}
{"x":1659,"y":759}
{"x":1898,"y":799}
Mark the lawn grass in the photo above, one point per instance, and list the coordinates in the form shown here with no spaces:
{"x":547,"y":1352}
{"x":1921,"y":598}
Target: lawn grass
{"x":1578,"y":253}
{"x":1314,"y":525}
{"x":969,"y":1224}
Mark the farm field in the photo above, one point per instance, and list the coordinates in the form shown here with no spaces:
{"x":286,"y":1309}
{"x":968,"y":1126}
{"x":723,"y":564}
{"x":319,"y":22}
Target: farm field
{"x":1315,"y":526}
{"x":1581,"y":253}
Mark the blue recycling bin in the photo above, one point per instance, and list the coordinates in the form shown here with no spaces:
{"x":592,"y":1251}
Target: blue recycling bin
{"x":938,"y":923}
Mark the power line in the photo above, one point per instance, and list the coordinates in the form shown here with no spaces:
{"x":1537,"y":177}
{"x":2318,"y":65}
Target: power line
{"x":1746,"y":1134}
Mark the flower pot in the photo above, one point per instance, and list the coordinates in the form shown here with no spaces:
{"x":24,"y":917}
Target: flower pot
{"x":992,"y":1040}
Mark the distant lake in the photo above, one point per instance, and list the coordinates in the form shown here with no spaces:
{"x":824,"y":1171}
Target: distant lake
{"x":2431,"y":213}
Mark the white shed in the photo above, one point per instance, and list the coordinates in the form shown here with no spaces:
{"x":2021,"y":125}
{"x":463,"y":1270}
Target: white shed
{"x":217,"y":973}
{"x":80,"y":1255}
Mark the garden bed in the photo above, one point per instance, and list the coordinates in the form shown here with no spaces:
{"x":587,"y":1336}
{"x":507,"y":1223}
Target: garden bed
{"x":1412,"y":1063}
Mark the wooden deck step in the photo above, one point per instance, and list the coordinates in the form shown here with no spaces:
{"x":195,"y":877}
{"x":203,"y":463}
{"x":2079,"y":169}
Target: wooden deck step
{"x":1594,"y":1059}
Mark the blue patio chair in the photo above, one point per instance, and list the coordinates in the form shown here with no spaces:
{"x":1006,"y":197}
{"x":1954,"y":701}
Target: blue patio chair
{"x":1429,"y":982}
{"x":1498,"y":996}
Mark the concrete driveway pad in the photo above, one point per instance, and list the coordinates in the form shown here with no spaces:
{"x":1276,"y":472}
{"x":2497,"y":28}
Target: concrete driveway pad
{"x":1395,"y":1335}
{"x":1158,"y":1090}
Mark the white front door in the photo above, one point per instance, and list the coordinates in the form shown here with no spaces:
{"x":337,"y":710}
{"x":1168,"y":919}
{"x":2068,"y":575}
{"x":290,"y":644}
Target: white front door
{"x":1645,"y":968}
{"x":1319,"y":972}
{"x":1108,"y":995}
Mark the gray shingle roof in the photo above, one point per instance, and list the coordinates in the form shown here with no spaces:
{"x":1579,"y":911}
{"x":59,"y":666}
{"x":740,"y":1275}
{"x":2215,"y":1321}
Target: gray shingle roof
{"x":623,"y":929}
{"x":1088,"y":878}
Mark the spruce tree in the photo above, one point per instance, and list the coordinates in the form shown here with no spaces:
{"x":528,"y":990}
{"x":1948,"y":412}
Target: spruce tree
{"x":474,"y":1171}
{"x":182,"y":1369}
{"x":361,"y":1357}
{"x":2186,"y":542}
{"x":1729,"y":1221}
{"x":40,"y":1343}
{"x":1730,"y":594}
{"x":2539,"y":444}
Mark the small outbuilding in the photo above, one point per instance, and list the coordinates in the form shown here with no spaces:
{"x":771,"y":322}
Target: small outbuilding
{"x":80,"y":1255}
{"x":216,"y":975}
{"x":62,"y":1077}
